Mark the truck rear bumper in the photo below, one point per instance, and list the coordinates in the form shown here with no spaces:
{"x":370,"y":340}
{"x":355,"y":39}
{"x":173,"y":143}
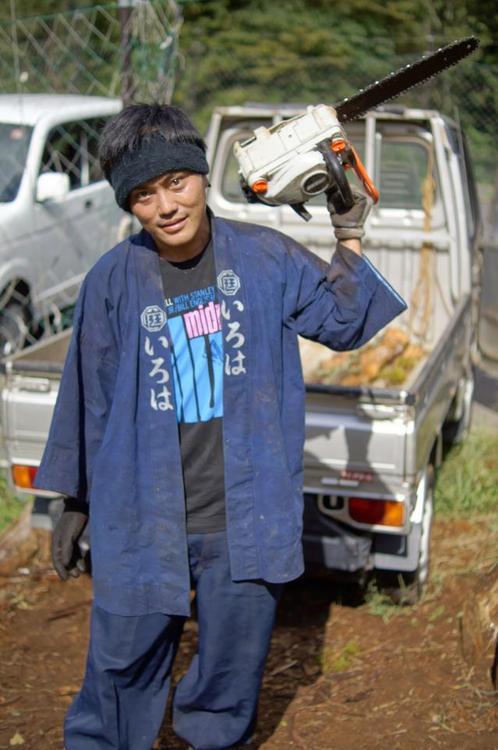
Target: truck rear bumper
{"x":332,"y":545}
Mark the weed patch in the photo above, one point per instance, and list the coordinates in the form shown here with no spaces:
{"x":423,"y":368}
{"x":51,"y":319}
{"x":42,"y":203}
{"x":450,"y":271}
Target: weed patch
{"x":339,"y":660}
{"x":467,"y":482}
{"x":10,"y":507}
{"x":380,"y":603}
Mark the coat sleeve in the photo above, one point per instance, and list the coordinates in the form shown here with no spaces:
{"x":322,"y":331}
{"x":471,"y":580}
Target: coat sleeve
{"x":341,"y":305}
{"x":84,"y":398}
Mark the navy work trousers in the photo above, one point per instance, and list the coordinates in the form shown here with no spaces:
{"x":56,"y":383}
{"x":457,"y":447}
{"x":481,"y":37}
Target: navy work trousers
{"x":122,"y":700}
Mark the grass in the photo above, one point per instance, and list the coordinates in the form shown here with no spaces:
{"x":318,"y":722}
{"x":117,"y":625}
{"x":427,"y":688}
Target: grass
{"x":379,"y":603}
{"x":339,"y":660}
{"x":10,"y":507}
{"x":467,"y":481}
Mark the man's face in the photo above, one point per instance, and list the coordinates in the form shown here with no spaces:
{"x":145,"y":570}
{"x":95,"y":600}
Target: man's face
{"x":172,"y":208}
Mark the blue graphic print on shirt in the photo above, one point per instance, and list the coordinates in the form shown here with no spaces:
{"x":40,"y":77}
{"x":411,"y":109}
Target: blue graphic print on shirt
{"x":194,"y":321}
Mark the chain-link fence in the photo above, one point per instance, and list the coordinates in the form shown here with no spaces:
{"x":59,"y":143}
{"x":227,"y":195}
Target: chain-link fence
{"x":57,"y":214}
{"x":90,"y":50}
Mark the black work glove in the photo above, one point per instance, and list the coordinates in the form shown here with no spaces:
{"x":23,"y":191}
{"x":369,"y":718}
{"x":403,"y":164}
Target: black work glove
{"x":67,"y":557}
{"x":349,"y":226}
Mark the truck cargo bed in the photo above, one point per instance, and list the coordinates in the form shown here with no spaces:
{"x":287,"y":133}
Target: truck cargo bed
{"x":46,"y":357}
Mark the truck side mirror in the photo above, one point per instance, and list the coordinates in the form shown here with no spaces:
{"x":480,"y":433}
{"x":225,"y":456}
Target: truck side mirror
{"x":52,"y":186}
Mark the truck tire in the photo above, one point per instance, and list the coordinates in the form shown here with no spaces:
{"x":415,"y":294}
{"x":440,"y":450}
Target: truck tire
{"x":13,"y":328}
{"x":404,"y":587}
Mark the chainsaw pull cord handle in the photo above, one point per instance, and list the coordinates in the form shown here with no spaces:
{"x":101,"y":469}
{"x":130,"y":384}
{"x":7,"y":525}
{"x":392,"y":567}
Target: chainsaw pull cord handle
{"x":363,"y":175}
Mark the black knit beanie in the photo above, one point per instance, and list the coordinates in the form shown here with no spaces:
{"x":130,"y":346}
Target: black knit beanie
{"x":154,"y":157}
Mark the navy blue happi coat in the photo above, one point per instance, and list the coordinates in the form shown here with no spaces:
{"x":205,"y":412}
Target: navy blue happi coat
{"x":114,"y":435}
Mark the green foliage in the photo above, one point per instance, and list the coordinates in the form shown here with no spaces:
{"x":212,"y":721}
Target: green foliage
{"x":468,"y":479}
{"x":379,"y":603}
{"x":287,"y":52}
{"x":27,"y":8}
{"x":10,"y":507}
{"x":77,"y":47}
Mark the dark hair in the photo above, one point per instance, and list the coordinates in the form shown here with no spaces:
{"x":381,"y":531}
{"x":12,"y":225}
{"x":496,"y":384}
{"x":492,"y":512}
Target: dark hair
{"x":127,"y":130}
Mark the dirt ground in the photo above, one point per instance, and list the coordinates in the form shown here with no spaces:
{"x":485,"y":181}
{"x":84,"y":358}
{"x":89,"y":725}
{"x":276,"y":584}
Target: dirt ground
{"x":344,"y":673}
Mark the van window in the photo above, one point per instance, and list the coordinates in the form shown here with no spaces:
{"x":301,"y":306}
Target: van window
{"x":72,"y":148}
{"x":14,"y":144}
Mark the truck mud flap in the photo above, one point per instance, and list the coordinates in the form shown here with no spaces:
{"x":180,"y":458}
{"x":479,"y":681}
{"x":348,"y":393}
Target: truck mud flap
{"x":344,"y":551}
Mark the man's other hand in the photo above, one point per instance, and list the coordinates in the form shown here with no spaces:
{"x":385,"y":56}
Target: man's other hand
{"x":67,"y":557}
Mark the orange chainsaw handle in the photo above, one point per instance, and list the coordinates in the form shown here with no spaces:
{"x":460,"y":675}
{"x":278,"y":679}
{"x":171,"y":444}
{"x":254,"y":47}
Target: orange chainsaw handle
{"x":363,"y":175}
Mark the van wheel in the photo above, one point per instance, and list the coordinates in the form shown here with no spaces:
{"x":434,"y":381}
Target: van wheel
{"x":404,"y":587}
{"x":13,"y":328}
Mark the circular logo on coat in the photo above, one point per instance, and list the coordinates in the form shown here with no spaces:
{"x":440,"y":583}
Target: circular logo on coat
{"x":228,"y":282}
{"x":153,"y":318}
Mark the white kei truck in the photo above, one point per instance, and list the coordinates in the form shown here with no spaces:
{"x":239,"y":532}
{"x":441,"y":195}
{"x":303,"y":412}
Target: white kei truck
{"x":371,"y":449}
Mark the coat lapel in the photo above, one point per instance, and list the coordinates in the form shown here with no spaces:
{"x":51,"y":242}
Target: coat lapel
{"x":156,"y":385}
{"x":238,"y":360}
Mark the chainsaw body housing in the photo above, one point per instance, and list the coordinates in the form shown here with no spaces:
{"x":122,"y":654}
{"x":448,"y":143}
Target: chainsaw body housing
{"x":285,"y":157}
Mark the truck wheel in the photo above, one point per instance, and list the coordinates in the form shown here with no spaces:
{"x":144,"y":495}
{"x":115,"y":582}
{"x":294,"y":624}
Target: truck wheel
{"x":13,"y":328}
{"x":407,"y":587}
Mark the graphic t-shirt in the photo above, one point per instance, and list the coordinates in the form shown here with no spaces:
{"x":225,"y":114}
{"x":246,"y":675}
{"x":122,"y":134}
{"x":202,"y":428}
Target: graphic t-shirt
{"x":194,"y":321}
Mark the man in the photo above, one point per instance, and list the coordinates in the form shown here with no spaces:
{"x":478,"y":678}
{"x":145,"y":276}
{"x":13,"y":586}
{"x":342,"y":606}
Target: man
{"x":178,"y":431}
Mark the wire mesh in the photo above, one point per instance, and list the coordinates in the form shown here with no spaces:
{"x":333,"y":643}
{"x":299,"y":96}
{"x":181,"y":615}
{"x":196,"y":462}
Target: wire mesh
{"x":81,"y":51}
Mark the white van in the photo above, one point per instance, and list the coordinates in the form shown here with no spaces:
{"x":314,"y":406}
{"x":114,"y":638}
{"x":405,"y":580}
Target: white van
{"x":57,"y":212}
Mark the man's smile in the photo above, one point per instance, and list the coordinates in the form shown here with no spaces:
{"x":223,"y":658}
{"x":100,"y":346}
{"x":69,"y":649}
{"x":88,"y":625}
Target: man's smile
{"x":173,"y":225}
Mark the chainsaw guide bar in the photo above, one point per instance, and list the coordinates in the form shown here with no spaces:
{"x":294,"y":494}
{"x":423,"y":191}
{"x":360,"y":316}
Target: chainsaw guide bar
{"x":405,"y":78}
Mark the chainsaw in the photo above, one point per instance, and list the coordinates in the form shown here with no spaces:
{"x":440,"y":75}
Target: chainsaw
{"x":298,"y":158}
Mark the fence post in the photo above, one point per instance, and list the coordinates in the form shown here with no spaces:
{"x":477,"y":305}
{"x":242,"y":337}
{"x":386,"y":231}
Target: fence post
{"x":127,"y":83}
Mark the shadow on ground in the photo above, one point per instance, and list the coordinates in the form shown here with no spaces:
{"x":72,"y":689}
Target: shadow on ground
{"x":296,"y":656}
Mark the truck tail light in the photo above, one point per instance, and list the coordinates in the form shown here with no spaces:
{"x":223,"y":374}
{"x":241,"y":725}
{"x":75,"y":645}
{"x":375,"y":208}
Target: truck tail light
{"x":382,"y":512}
{"x":24,"y":476}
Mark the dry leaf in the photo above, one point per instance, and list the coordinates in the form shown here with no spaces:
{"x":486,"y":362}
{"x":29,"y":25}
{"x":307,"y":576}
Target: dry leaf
{"x":68,"y":690}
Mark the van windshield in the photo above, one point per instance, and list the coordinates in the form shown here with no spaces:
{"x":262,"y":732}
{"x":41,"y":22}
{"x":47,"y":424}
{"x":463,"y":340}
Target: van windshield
{"x":14,"y":142}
